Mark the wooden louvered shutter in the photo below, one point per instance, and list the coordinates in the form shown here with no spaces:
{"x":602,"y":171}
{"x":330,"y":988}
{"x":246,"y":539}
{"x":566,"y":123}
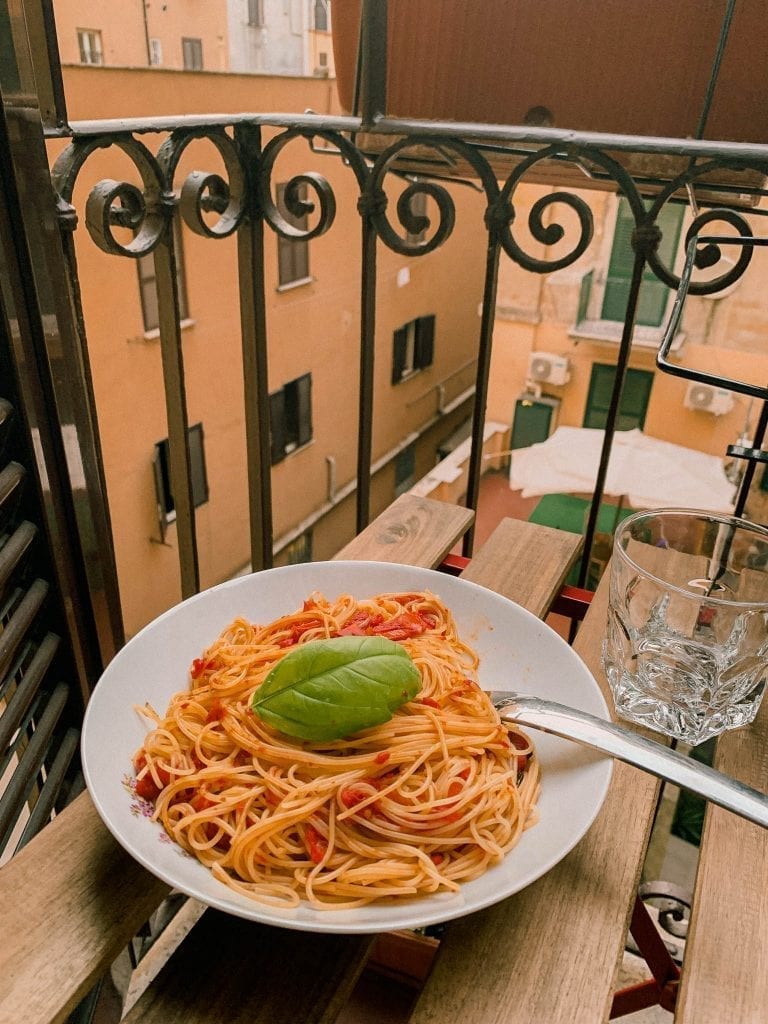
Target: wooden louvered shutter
{"x":634,"y":397}
{"x":653,"y":294}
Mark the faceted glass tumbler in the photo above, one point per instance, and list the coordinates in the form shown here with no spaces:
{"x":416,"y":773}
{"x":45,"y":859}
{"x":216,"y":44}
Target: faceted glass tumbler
{"x":686,"y":651}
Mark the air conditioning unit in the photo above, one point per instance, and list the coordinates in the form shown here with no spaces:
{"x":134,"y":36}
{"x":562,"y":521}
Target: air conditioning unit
{"x":547,"y":368}
{"x":708,"y":398}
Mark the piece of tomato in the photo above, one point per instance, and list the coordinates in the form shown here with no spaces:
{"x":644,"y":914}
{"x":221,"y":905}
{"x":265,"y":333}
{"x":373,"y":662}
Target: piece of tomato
{"x":317,"y":844}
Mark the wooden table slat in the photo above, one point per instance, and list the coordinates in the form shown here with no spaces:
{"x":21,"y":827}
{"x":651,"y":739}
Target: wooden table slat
{"x":71,"y":900}
{"x":551,"y":952}
{"x":229,"y":969}
{"x":725,"y":976}
{"x":525,"y":562}
{"x":411,"y":531}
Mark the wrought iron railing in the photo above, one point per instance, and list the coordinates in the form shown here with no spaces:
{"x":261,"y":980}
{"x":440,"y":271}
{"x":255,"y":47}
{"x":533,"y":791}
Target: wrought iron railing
{"x":498,"y":160}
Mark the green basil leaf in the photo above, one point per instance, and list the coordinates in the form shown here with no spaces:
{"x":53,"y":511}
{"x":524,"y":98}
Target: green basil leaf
{"x":329,"y":689}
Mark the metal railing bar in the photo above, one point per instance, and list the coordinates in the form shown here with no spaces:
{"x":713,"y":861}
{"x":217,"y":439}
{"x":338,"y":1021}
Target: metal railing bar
{"x":253,"y":328}
{"x":751,"y":466}
{"x":714,"y":74}
{"x":482,"y":377}
{"x":479,"y":134}
{"x":176,"y":410}
{"x":20,"y":701}
{"x":20,"y":621}
{"x":371,"y":71}
{"x":367,"y":350}
{"x":622,"y":362}
{"x":30,"y":763}
{"x":55,"y":778}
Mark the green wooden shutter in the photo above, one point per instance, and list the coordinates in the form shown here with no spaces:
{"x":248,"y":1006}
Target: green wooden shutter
{"x":634,"y":397}
{"x":653,"y":294}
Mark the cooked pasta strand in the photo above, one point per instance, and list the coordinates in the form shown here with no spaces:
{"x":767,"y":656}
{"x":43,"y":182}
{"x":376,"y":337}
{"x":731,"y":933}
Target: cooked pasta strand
{"x":417,"y":805}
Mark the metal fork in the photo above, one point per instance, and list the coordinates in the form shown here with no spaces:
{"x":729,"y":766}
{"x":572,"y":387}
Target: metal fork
{"x":621,"y":743}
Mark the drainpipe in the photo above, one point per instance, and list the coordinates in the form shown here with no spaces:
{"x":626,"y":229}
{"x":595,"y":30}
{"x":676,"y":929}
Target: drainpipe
{"x":146,"y":31}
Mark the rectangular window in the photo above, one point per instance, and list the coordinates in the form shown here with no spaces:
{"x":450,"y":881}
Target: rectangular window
{"x":290,"y":417}
{"x":634,"y":397}
{"x":89,"y":44}
{"x":292,"y":254}
{"x":321,"y":16}
{"x":418,"y":208}
{"x":256,"y":13}
{"x":162,"y":469}
{"x":299,"y":550}
{"x":155,"y":52}
{"x":192,"y":52}
{"x":148,"y":290}
{"x":654,"y":294}
{"x":414,"y":347}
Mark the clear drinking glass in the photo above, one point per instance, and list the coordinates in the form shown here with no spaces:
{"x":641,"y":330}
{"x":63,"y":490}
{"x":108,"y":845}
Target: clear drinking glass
{"x":687,"y":645}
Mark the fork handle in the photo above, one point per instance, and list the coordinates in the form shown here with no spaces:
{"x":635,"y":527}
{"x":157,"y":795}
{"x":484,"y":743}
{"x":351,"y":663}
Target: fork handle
{"x":621,"y":743}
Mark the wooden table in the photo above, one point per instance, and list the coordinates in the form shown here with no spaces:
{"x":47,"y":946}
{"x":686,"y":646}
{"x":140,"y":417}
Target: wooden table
{"x":72,"y":899}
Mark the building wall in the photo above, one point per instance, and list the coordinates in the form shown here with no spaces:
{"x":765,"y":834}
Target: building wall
{"x":724,"y":334}
{"x":313,"y":327}
{"x":126,"y":28}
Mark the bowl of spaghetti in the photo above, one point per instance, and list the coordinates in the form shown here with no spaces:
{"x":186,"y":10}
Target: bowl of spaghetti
{"x":419,"y":811}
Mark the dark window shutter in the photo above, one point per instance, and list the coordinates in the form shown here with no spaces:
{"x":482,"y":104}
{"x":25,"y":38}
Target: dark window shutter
{"x":634,"y":397}
{"x":304,"y":403}
{"x":277,"y":425}
{"x":398,"y":357}
{"x":425,"y":342}
{"x":653,"y":293}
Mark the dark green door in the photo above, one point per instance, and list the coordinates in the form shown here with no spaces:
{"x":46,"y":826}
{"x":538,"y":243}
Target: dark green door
{"x":652,"y":304}
{"x":532,"y":422}
{"x":634,"y":397}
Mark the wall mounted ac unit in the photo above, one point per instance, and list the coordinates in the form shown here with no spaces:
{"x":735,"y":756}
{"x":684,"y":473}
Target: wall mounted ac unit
{"x":708,"y":398}
{"x":547,"y":368}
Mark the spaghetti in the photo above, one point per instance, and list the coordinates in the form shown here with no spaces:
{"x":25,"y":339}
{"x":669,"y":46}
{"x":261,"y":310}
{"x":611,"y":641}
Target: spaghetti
{"x":417,"y":805}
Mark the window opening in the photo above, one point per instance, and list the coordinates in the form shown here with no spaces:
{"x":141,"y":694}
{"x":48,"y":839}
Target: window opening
{"x":155,"y":52}
{"x":256,"y":13}
{"x":192,"y":53}
{"x":418,"y":206}
{"x":292,"y":254}
{"x":89,"y":44}
{"x":162,"y":468}
{"x":634,"y":398}
{"x":148,"y":288}
{"x":321,"y":16}
{"x":413,"y":347}
{"x":299,"y":550}
{"x":654,"y":294}
{"x":290,"y":413}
